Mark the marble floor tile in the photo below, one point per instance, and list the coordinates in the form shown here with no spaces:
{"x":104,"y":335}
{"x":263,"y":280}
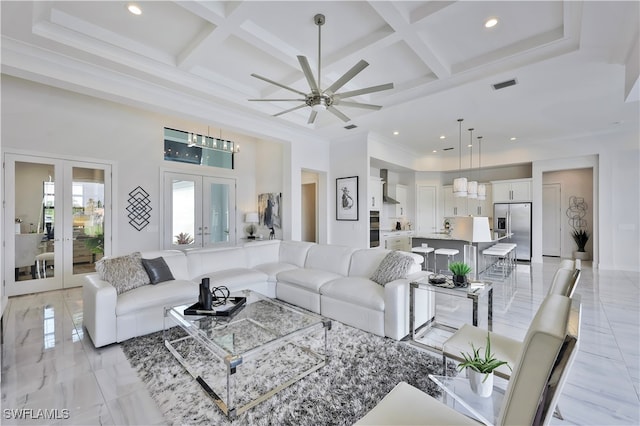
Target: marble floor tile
{"x":48,"y":361}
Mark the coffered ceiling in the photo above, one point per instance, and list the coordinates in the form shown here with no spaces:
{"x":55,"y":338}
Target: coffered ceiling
{"x":195,"y":59}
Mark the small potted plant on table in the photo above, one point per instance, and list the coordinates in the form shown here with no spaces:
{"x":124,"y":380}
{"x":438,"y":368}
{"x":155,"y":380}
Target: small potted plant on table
{"x":460,"y":271}
{"x":480,"y":369}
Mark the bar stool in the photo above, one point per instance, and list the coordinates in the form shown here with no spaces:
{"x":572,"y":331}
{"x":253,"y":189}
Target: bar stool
{"x":445,"y":252}
{"x":424,"y":251}
{"x":44,"y":258}
{"x":499,"y":253}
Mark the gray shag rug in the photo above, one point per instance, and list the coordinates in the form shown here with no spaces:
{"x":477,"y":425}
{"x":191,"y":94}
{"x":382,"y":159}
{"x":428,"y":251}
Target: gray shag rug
{"x":362,"y":368}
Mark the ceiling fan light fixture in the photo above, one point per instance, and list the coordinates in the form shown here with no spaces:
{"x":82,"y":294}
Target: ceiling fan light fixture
{"x":326,"y":99}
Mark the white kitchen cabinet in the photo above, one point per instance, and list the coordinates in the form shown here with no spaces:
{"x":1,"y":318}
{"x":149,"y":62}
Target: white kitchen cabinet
{"x":375,"y":193}
{"x":398,"y":240}
{"x":511,"y":190}
{"x":453,"y":206}
{"x":484,"y":207}
{"x":399,"y":193}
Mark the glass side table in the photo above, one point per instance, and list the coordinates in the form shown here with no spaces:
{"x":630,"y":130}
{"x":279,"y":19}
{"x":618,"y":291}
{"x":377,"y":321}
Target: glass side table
{"x":458,"y":394}
{"x":473,"y":293}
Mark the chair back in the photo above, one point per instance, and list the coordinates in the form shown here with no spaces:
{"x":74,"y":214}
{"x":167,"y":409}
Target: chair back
{"x":566,"y":280}
{"x":548,"y":350}
{"x":27,"y":248}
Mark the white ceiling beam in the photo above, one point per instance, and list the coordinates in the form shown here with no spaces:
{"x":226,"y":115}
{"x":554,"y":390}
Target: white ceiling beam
{"x":393,"y":17}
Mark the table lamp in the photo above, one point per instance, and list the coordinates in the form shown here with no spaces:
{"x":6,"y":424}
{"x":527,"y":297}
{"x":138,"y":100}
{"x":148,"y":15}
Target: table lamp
{"x":251,"y":218}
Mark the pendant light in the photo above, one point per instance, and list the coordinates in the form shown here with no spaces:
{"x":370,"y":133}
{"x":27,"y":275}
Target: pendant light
{"x":472,"y":186}
{"x":460,"y":184}
{"x":482,"y":189}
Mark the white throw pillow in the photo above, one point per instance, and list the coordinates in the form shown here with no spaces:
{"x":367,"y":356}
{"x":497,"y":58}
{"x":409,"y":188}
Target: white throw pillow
{"x":124,"y":273}
{"x":395,"y":265}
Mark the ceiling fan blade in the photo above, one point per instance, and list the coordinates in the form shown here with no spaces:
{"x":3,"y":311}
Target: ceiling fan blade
{"x":357,"y":105}
{"x":306,"y":69}
{"x":338,"y":114}
{"x":278,"y":84}
{"x":289,"y":110}
{"x":312,"y":117}
{"x":364,"y":91}
{"x":277,"y":100}
{"x":347,"y":76}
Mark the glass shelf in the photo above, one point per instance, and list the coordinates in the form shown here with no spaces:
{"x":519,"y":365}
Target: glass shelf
{"x":457,"y":392}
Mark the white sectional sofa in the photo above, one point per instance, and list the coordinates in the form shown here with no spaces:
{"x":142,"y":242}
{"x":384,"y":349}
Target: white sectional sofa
{"x":327,"y":279}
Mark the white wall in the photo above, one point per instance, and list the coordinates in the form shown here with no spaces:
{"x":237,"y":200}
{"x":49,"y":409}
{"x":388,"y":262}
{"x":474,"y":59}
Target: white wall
{"x":46,"y":121}
{"x":577,"y":183}
{"x":350,"y":157}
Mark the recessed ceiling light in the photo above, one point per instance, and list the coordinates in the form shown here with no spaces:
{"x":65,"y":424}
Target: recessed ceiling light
{"x":396,"y":133}
{"x":435,"y":150}
{"x":491,"y":22}
{"x":469,"y":146}
{"x":513,"y":139}
{"x":135,"y":9}
{"x":443,"y":137}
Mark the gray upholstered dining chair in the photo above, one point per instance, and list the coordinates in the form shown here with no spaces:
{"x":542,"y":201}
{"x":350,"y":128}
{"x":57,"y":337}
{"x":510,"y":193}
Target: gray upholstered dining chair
{"x":548,"y":351}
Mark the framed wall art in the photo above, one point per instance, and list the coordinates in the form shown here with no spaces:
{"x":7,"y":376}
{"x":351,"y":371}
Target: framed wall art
{"x":347,"y":198}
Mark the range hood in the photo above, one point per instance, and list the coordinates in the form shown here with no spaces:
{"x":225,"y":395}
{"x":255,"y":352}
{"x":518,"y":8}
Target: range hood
{"x":385,"y":196}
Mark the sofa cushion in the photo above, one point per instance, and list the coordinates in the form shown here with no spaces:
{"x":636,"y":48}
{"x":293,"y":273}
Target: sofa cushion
{"x":203,"y":261}
{"x":329,"y":258}
{"x":162,"y":294}
{"x":294,"y":252}
{"x":260,"y":252}
{"x":157,"y":269}
{"x":234,"y":277}
{"x":311,"y":279}
{"x":125,"y":273}
{"x":360,"y":291}
{"x":274,"y":268}
{"x":364,"y":262}
{"x":395,"y":265}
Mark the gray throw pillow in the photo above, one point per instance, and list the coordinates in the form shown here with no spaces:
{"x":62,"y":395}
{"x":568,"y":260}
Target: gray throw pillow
{"x":157,"y":269}
{"x":395,"y":265}
{"x":124,"y":273}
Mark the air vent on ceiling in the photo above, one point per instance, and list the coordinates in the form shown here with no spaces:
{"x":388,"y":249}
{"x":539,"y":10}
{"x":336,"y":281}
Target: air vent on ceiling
{"x":447,"y":149}
{"x":504,"y":84}
{"x":350,"y":126}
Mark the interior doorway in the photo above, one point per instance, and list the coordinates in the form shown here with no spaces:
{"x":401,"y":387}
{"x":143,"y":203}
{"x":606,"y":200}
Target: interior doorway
{"x":551,"y":220}
{"x":57,"y":223}
{"x":309,"y":204}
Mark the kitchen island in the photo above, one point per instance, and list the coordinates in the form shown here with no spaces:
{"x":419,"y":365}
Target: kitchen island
{"x":446,"y":240}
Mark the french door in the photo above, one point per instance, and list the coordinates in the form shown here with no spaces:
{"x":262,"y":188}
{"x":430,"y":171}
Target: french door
{"x":57,"y":221}
{"x":200,"y":211}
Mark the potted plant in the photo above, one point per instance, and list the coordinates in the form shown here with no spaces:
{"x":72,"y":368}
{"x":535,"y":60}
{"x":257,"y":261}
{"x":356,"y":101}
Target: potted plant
{"x":580,"y":236}
{"x":480,"y":368}
{"x":459,"y":271}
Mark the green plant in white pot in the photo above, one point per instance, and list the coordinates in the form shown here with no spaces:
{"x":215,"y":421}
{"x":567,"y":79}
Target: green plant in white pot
{"x":580,"y":237}
{"x":459,"y":271}
{"x":480,"y":368}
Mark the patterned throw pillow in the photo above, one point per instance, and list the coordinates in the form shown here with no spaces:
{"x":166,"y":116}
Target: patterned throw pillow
{"x":395,"y":265}
{"x":124,"y":273}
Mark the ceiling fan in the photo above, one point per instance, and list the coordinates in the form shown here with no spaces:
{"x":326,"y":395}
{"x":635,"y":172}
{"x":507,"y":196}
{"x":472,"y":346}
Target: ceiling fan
{"x":318,"y":99}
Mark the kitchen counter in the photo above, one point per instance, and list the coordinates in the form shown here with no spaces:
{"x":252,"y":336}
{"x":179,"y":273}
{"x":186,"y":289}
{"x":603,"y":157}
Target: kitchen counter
{"x":446,"y":237}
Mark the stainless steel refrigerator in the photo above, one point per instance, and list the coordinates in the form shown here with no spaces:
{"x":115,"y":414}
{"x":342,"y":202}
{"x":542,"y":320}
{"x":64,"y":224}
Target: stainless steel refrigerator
{"x":514,"y":218}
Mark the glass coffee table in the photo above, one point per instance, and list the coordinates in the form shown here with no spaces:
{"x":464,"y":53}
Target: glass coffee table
{"x":244,"y":359}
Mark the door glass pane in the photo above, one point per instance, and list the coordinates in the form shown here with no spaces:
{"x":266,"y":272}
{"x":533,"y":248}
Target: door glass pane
{"x":34,"y":215}
{"x":183,"y":211}
{"x":87,"y":206}
{"x":218,"y":214}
